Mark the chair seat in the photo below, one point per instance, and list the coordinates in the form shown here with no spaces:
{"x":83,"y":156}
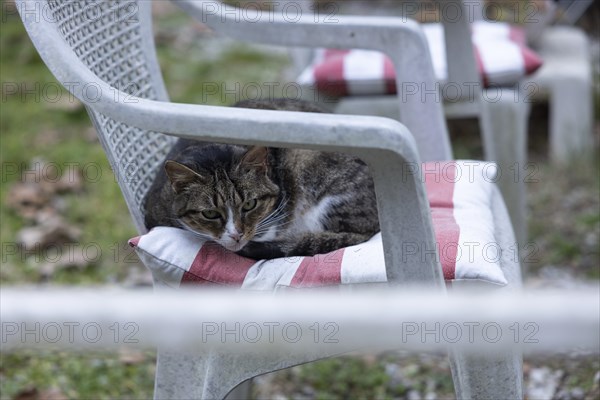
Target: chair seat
{"x":502,"y":58}
{"x":461,"y":194}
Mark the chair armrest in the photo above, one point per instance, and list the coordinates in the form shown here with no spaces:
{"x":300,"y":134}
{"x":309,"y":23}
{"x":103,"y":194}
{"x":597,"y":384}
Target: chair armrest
{"x":400,"y":38}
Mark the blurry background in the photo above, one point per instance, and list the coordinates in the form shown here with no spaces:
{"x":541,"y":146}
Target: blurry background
{"x":64,"y":221}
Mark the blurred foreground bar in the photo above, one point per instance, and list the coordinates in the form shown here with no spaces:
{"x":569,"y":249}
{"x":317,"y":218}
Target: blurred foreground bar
{"x":541,"y":321}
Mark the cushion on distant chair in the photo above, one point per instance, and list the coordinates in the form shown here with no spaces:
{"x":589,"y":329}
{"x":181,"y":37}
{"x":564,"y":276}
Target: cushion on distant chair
{"x":459,"y":193}
{"x":502,"y":58}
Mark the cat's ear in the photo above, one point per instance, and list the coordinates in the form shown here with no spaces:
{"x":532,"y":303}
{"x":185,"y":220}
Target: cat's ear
{"x":180,"y":176}
{"x":256,"y":158}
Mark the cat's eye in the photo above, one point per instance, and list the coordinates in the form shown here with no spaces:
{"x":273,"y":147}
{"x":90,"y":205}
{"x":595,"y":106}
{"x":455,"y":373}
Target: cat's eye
{"x":249,"y":205}
{"x":211,"y":214}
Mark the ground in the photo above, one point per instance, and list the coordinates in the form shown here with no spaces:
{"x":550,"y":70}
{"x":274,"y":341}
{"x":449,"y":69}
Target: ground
{"x":50,"y":134}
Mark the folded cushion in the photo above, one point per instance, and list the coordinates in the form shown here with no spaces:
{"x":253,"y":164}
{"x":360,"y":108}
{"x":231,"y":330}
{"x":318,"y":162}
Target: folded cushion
{"x":501,"y":53}
{"x":459,"y":192}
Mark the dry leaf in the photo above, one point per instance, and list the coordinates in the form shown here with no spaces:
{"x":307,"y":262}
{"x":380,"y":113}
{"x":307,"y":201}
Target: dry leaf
{"x":30,"y":393}
{"x":163,"y":8}
{"x":52,"y":394}
{"x":64,"y":103}
{"x":51,"y":229}
{"x":54,"y":178}
{"x":369,"y":359}
{"x":35,"y":194}
{"x":90,"y":135}
{"x":28,"y":199}
{"x":70,"y":181}
{"x":35,"y":394}
{"x":71,"y":257}
{"x":138,"y":277}
{"x":10,"y":7}
{"x":48,"y":137}
{"x":130,"y":356}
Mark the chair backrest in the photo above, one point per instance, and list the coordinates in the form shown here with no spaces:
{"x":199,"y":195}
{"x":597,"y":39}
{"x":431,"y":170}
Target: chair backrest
{"x":460,"y":56}
{"x":114,"y":40}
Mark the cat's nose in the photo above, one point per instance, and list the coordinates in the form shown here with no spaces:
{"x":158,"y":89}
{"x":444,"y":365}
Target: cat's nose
{"x":235,"y":236}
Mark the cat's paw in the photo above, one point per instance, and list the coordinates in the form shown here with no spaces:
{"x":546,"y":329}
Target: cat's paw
{"x":262,"y":250}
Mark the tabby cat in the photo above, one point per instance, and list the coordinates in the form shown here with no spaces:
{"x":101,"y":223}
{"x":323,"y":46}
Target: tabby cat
{"x":265,"y":202}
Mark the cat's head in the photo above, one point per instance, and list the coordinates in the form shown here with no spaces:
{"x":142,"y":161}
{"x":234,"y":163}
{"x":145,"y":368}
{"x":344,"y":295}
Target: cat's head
{"x":229,"y":198}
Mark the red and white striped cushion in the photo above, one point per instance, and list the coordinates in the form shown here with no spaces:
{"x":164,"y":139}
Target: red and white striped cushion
{"x":459,"y":193}
{"x":502,"y":57}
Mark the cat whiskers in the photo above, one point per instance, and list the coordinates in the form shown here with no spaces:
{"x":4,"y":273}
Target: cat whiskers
{"x":274,"y":221}
{"x":266,"y":229}
{"x":273,"y":218}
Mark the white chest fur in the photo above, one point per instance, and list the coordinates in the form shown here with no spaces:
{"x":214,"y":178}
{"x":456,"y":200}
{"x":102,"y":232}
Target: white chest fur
{"x":310,"y":218}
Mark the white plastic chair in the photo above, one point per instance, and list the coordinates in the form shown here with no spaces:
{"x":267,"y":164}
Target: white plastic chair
{"x":103,"y":52}
{"x":502,"y":119}
{"x":565,"y":80}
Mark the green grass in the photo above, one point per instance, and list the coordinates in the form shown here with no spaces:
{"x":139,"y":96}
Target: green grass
{"x":564,"y":218}
{"x":364,"y":377}
{"x":77,"y":376}
{"x":346,"y":377}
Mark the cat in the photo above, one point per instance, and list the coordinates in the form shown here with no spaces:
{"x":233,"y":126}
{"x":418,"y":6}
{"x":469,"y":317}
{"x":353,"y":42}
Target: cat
{"x":265,"y":203}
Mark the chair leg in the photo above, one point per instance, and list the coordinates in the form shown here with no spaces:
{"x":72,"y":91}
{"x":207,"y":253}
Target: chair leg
{"x":217,"y":374}
{"x":571,"y":112}
{"x":189,"y":375}
{"x":567,"y":77}
{"x":487,"y":377}
{"x":504,"y":128}
{"x":175,"y":372}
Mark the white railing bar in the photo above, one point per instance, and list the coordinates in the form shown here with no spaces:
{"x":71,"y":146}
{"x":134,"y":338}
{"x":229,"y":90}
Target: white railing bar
{"x":541,"y":321}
